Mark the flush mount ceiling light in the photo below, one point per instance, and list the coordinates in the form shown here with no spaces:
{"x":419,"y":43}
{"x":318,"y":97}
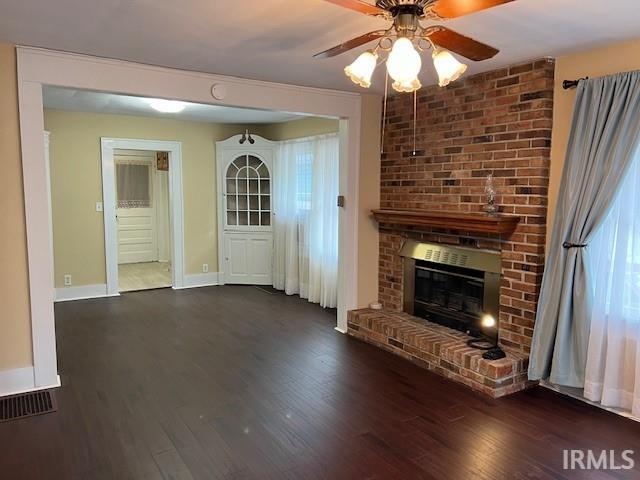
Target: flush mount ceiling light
{"x":403,"y":41}
{"x":167,"y":106}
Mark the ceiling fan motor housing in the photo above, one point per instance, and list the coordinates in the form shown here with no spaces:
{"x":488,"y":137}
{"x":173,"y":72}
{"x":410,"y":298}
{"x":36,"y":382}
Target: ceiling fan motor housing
{"x":406,"y":14}
{"x":405,"y":23}
{"x":396,"y":7}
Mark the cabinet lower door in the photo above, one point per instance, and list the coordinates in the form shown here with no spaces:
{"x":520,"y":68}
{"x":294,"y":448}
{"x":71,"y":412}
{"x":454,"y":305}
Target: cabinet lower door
{"x":248,"y":258}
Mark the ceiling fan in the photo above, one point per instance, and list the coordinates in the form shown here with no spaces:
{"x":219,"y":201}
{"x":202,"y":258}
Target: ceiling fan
{"x":402,"y":41}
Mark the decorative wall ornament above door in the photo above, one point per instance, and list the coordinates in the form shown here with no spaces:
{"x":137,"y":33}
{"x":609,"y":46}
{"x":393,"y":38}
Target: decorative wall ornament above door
{"x":246,"y":137}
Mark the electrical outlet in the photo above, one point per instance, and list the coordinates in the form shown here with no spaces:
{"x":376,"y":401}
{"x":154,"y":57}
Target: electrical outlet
{"x":67,"y":280}
{"x":205,"y":267}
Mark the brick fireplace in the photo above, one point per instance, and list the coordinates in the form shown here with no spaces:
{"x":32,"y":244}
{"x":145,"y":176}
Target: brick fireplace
{"x":496,"y":123}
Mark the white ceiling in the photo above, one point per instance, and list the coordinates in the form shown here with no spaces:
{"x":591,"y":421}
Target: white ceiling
{"x":87,"y":101}
{"x":274,"y":40}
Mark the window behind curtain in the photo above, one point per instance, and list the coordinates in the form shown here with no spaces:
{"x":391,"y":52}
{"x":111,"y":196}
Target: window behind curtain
{"x":304,"y":162}
{"x":133,"y":187}
{"x":612,"y":370}
{"x":614,"y":253}
{"x":305,"y":241}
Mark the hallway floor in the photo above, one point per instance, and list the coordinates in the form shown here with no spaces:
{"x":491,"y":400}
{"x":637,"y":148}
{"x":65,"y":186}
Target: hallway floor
{"x":144,"y":276}
{"x":235,"y":383}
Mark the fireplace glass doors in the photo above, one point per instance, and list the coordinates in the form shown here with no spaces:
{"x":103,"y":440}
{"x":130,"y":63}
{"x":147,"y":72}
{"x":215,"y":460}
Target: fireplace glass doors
{"x":448,"y":295}
{"x":451,"y":286}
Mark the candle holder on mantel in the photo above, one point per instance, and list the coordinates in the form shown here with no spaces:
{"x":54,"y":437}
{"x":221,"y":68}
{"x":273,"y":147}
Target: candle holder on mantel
{"x":491,"y":208}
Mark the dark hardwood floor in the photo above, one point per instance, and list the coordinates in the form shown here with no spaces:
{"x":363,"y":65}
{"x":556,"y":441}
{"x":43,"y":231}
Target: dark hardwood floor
{"x":236,"y":383}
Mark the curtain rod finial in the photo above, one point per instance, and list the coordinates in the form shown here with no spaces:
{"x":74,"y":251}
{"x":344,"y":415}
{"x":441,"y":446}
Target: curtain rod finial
{"x":567,"y":84}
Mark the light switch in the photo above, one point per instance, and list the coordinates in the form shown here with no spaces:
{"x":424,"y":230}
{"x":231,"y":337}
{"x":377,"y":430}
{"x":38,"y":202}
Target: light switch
{"x":98,"y":206}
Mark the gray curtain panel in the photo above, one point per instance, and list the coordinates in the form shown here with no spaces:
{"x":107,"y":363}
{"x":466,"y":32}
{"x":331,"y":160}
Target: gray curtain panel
{"x":604,"y":137}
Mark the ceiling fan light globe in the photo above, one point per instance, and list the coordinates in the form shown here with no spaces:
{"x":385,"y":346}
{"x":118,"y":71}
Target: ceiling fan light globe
{"x":407,"y":86}
{"x":448,"y":67}
{"x":361,"y":70}
{"x":404,"y":61}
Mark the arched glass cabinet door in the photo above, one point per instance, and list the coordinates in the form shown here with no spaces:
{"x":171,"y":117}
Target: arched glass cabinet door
{"x":248,"y":193}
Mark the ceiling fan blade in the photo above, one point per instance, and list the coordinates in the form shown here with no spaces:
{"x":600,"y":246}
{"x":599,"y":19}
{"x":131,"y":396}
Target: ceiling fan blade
{"x":458,"y":8}
{"x":359,"y":6}
{"x":465,"y":46}
{"x":349,"y":44}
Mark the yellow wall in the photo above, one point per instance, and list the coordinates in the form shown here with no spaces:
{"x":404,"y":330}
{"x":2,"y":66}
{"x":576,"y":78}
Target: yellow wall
{"x":622,"y":57}
{"x":369,"y":197}
{"x":78,"y":230}
{"x":76,"y":182}
{"x":15,"y":322}
{"x":304,"y":127}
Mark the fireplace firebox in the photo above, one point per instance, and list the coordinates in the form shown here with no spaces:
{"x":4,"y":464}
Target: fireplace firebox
{"x":453,"y":286}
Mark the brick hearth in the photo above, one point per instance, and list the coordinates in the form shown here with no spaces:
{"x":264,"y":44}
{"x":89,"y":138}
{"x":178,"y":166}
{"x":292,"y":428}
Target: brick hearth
{"x":441,"y":350}
{"x":497,"y":122}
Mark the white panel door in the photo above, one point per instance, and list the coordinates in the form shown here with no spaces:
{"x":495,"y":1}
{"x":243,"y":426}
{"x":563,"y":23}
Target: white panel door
{"x":135,"y":209}
{"x":244,"y":216}
{"x":137,"y":239}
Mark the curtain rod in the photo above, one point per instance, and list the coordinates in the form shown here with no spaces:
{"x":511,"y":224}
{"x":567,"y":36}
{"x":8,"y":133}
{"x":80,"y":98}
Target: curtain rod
{"x":567,"y":84}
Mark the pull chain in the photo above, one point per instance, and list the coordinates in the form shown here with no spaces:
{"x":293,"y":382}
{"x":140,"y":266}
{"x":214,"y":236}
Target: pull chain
{"x":415,"y":119}
{"x":384,"y":111}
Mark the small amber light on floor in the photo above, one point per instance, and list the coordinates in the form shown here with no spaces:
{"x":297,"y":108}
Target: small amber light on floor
{"x":488,"y":321}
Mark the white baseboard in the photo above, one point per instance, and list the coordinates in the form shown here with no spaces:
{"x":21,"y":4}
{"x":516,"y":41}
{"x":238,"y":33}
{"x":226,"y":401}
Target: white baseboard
{"x":200,"y":280}
{"x":66,"y":294}
{"x":20,"y":380}
{"x":576,"y":394}
{"x":80,"y":292}
{"x":341,"y":330}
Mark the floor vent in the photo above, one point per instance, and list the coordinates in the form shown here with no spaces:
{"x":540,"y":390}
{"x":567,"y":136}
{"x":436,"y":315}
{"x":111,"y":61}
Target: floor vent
{"x":27,"y":405}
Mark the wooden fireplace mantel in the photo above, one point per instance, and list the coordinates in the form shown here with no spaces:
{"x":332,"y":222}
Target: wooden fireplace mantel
{"x":467,"y":222}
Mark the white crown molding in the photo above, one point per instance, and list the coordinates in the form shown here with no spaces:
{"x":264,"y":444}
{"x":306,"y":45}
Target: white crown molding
{"x":37,"y":62}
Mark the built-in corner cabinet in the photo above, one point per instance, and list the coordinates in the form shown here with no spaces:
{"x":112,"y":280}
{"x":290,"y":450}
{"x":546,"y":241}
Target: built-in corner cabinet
{"x":245,"y":185}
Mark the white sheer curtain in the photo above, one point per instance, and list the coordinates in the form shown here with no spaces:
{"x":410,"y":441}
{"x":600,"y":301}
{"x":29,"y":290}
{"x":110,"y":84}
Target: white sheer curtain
{"x":612,"y":374}
{"x":305,"y":225}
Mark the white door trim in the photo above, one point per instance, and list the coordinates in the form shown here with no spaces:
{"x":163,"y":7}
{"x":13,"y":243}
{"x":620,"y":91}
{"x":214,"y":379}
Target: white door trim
{"x":20,"y":380}
{"x":108,"y":145}
{"x":47,"y":161}
{"x":38,"y":67}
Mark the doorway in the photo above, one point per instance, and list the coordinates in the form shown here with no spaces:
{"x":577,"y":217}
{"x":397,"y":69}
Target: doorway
{"x":142,"y":193}
{"x":37,"y":67}
{"x":142,"y":215}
